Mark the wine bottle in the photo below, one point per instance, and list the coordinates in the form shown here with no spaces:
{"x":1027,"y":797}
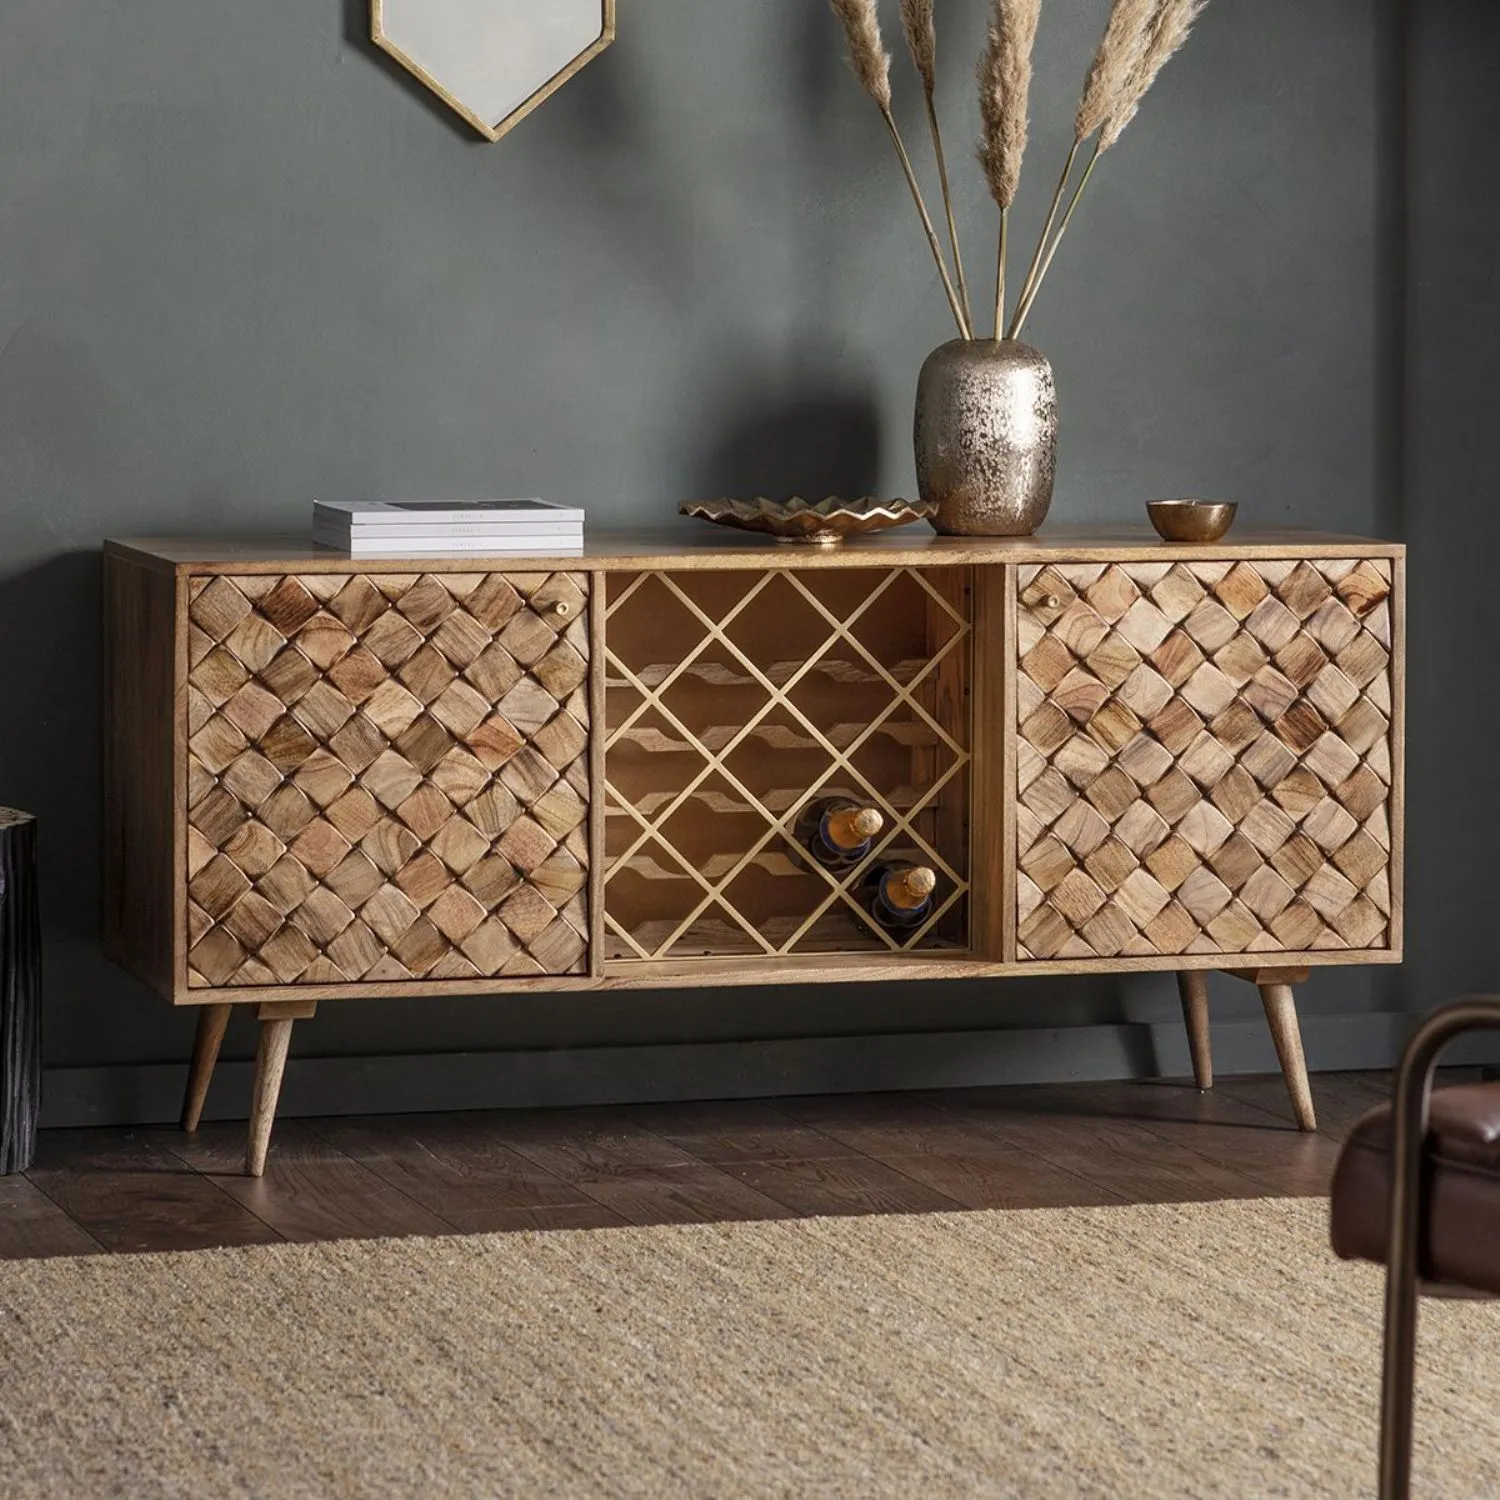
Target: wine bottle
{"x":836,"y":831}
{"x":898,"y":895}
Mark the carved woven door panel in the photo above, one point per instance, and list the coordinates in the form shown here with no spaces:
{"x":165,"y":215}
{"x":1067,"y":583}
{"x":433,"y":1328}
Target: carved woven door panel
{"x":387,"y":777}
{"x":1204,"y":758}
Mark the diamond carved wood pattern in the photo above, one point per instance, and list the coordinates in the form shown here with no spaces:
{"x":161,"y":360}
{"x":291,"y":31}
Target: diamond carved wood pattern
{"x":1204,"y":758}
{"x":387,"y":777}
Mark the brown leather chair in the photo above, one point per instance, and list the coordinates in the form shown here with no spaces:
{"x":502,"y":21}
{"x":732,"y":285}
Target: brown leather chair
{"x":1417,"y":1189}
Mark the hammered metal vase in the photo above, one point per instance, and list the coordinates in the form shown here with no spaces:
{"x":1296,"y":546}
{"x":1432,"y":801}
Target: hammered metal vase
{"x":986,"y":437}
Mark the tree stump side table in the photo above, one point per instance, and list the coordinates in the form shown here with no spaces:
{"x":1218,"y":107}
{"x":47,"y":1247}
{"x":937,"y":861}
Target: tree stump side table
{"x":20,"y":992}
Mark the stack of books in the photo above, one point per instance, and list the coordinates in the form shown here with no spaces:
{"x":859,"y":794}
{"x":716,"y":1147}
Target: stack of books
{"x":440,"y":528}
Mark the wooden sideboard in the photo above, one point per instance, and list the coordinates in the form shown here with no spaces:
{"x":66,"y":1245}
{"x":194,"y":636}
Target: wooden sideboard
{"x":332,"y":779}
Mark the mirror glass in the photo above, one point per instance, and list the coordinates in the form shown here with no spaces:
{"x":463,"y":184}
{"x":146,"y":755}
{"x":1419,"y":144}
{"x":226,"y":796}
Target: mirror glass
{"x":493,"y":60}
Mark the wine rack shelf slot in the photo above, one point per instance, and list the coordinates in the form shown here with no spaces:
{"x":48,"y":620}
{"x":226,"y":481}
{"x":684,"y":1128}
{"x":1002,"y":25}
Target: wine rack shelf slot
{"x":710,"y":758}
{"x":777,"y":736}
{"x":720,"y":675}
{"x":779,"y":800}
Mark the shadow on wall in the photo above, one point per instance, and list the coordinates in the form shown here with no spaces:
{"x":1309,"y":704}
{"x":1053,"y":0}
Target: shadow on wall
{"x":809,"y":442}
{"x":50,"y":623}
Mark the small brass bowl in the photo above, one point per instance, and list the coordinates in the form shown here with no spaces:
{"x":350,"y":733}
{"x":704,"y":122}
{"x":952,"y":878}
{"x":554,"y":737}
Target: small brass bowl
{"x":1191,"y":520}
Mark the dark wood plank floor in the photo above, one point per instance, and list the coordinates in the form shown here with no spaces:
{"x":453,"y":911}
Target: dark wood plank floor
{"x":95,"y":1191}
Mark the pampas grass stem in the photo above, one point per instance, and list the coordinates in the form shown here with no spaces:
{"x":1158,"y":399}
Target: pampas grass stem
{"x":942,"y":166}
{"x":1041,"y":244}
{"x":872,"y":66}
{"x":1000,"y":271}
{"x":964,"y":331}
{"x":920,"y":28}
{"x":1023,"y":308}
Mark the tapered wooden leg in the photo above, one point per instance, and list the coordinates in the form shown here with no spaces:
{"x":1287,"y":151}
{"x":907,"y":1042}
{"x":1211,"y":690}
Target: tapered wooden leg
{"x":270,"y":1064}
{"x":212,"y":1020}
{"x":276,"y":1020}
{"x":1192,"y":985}
{"x":1281,"y":1013}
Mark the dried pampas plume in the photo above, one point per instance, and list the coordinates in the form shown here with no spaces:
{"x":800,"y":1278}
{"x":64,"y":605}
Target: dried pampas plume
{"x":1169,"y":30}
{"x":918,"y":22}
{"x":1004,"y":107}
{"x":1140,"y":38}
{"x":921,"y":39}
{"x":1005,"y":95}
{"x":1115,"y":64}
{"x":872,"y":66}
{"x":867,"y":54}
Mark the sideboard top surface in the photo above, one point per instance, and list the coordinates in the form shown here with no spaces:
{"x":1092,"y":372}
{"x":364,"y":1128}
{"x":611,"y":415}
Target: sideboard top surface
{"x":685,"y":548}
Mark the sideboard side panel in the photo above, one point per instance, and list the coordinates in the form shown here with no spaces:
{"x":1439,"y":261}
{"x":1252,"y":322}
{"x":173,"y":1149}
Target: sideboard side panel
{"x":1398,"y":754}
{"x":143,"y":822}
{"x":598,"y":611}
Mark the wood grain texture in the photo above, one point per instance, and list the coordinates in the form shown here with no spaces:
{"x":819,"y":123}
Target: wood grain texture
{"x":20,"y":991}
{"x":309,"y":1189}
{"x":731,"y":703}
{"x":129,"y":1192}
{"x":1136,"y":1142}
{"x":32,"y":1226}
{"x":1254,"y":1140}
{"x":727,"y":1132}
{"x":1398,"y":752}
{"x":632,"y":1171}
{"x":843,"y":1185}
{"x":1113,"y":1152}
{"x":598,"y":717}
{"x":688,"y":547}
{"x":1205,"y":758}
{"x":1286,"y":1033}
{"x":143,"y":816}
{"x":287,"y":934}
{"x":461,"y":1169}
{"x":213,"y":1021}
{"x":270,"y":1065}
{"x":387,"y":778}
{"x":989,"y":800}
{"x":951,"y":1156}
{"x":1193,"y":986}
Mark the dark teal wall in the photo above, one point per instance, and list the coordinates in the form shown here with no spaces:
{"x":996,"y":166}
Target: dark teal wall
{"x":244,"y":262}
{"x":1452,"y":465}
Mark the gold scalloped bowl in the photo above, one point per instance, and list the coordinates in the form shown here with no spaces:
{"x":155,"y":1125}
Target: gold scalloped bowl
{"x":822,"y":523}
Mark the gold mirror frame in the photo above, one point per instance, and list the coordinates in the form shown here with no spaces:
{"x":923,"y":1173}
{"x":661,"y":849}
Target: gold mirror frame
{"x":493,"y":132}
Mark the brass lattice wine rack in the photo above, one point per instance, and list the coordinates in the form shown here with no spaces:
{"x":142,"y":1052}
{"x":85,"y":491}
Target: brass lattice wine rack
{"x":732,"y":699}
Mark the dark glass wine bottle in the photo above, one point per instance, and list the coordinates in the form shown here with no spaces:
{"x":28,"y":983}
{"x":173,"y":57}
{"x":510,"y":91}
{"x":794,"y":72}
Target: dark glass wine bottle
{"x":898,"y":895}
{"x":837,"y":831}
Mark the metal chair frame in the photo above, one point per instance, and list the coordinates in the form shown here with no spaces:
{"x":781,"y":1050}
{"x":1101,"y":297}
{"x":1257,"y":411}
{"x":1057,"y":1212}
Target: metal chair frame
{"x":1413,"y":1095}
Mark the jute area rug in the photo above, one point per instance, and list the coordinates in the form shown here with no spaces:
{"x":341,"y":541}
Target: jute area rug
{"x":1191,"y":1350}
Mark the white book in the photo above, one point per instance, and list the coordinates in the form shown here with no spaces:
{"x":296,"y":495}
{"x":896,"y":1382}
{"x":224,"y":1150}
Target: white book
{"x":465,"y":546}
{"x":363,"y":513}
{"x":518,"y":532}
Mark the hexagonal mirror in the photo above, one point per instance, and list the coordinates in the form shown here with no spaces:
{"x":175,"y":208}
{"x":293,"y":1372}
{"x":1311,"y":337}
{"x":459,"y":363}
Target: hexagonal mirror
{"x":493,"y":61}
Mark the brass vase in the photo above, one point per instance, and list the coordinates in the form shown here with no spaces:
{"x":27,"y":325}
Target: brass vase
{"x":986,"y":437}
